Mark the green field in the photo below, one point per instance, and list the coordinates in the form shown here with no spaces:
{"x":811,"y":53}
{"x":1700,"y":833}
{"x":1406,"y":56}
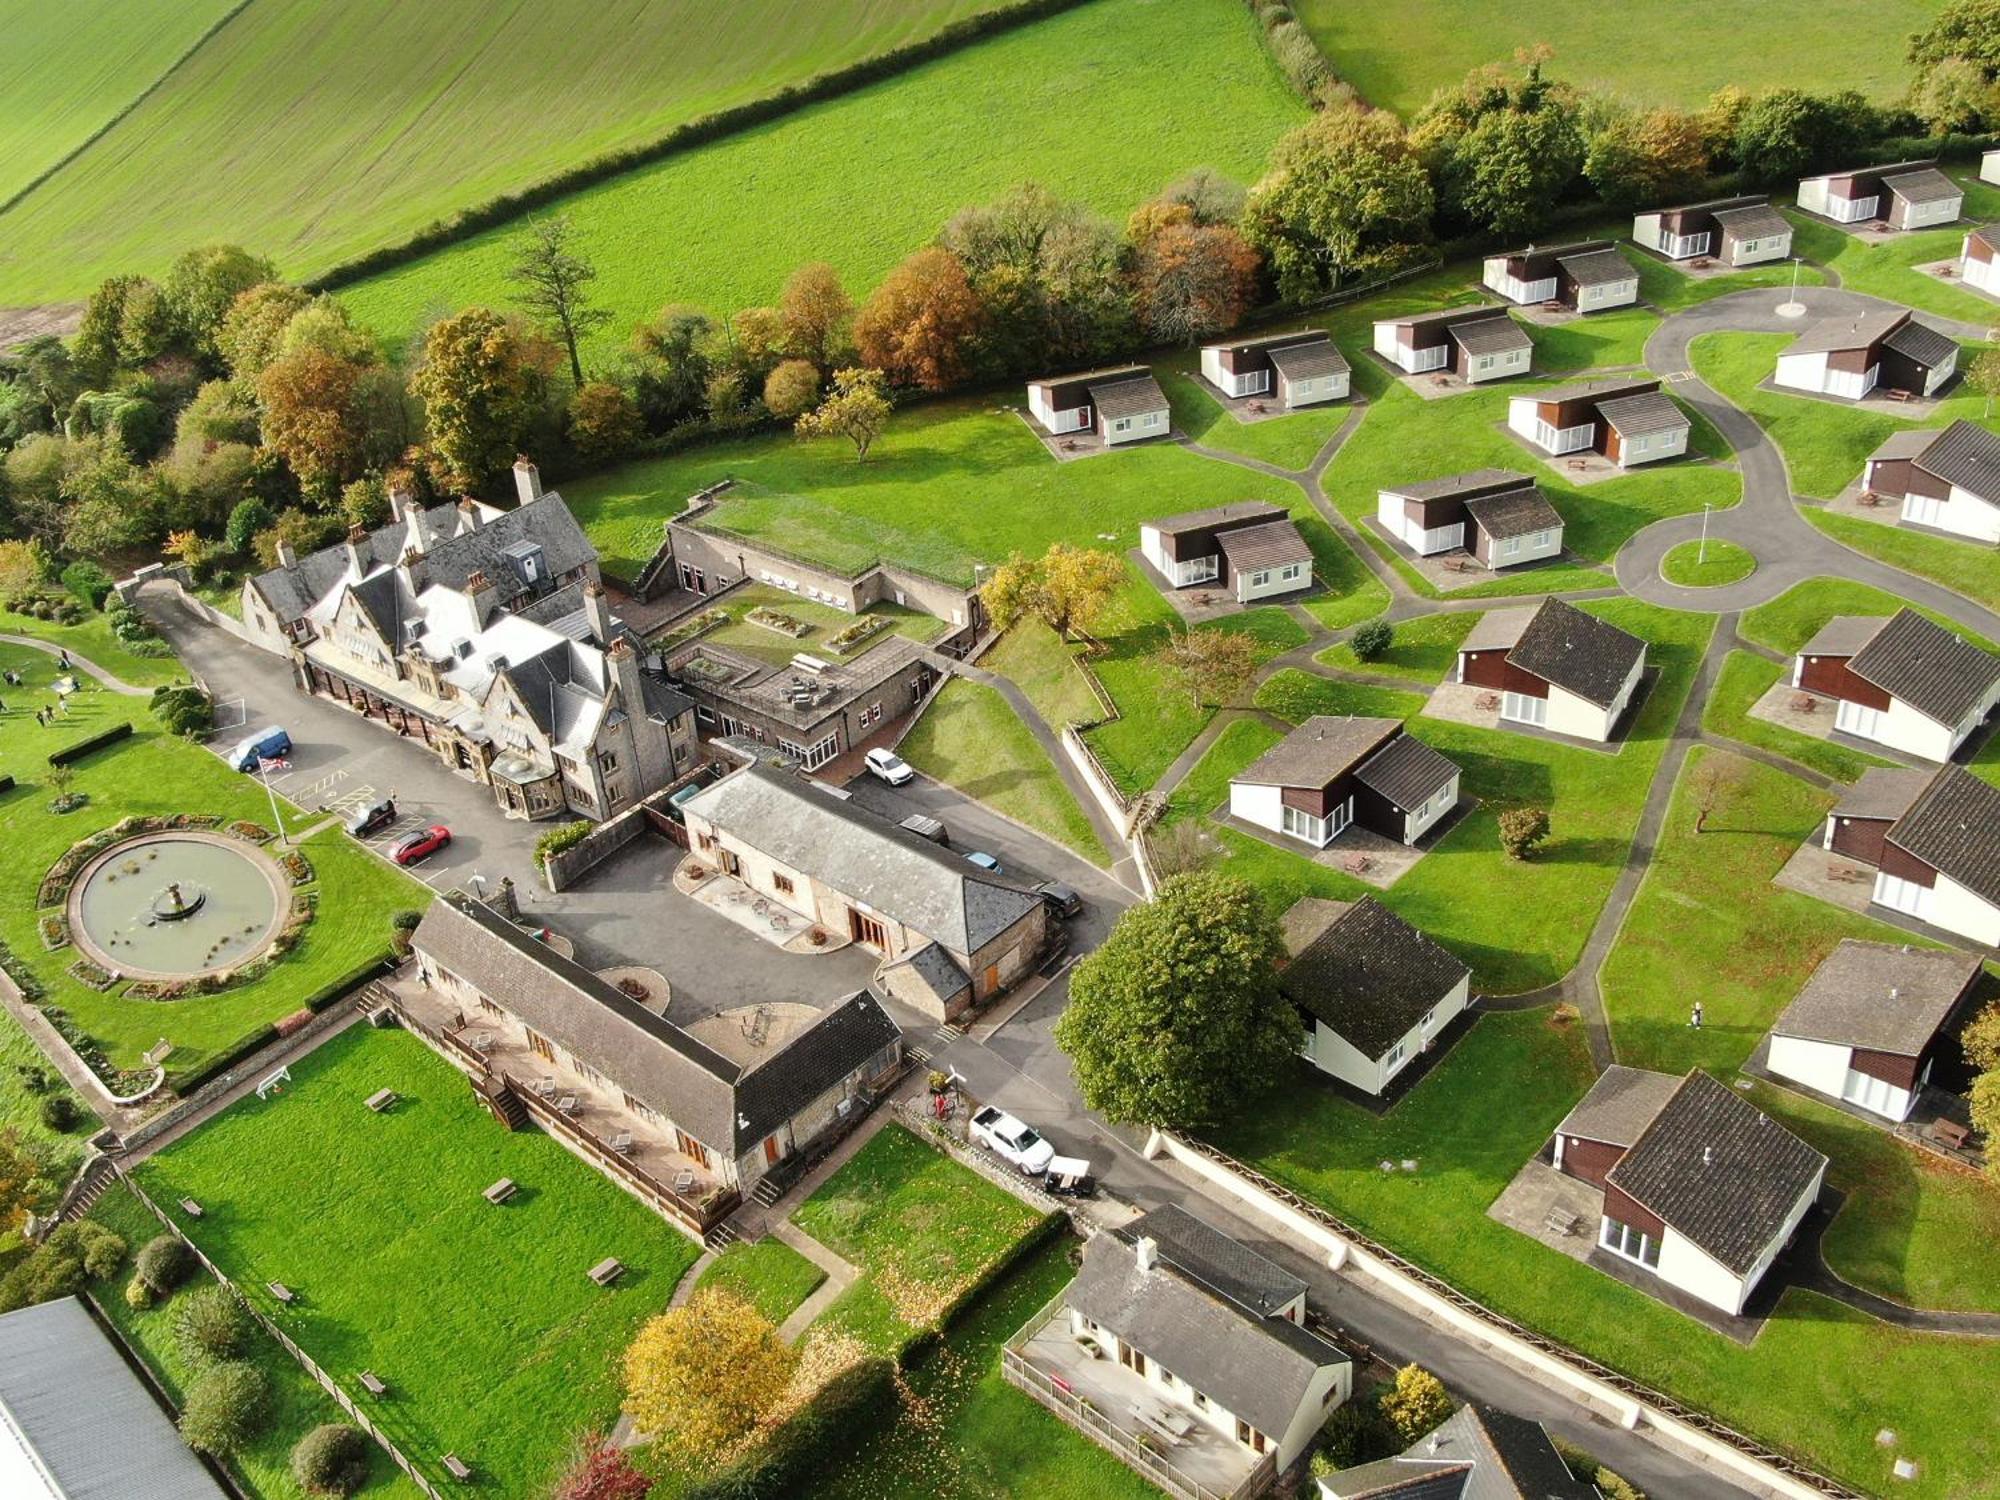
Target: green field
{"x":493,"y":1341}
{"x":312,"y":135}
{"x":1666,"y":54}
{"x":862,"y":180}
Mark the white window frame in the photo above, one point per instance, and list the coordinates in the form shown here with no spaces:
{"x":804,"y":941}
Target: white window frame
{"x":1627,"y":1243}
{"x":1121,"y":424}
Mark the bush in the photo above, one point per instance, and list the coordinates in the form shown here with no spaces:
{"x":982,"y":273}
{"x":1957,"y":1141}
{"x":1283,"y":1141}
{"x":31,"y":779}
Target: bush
{"x":225,"y":1407}
{"x":164,"y":1263}
{"x":1522,"y":829}
{"x":88,"y":582}
{"x":1354,"y":1434}
{"x":562,"y":836}
{"x":59,"y":1113}
{"x":406,"y":920}
{"x":103,"y":1252}
{"x":139,"y":1296}
{"x":1372,"y":639}
{"x":1415,"y":1404}
{"x":211,"y":1324}
{"x":183,"y":709}
{"x":332,"y":1459}
{"x":70,"y":754}
{"x":62,"y":1265}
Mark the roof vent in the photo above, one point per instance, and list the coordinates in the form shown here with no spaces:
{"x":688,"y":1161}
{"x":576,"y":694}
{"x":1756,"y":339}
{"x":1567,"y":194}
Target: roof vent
{"x":1895,"y":992}
{"x":1707,"y":1156}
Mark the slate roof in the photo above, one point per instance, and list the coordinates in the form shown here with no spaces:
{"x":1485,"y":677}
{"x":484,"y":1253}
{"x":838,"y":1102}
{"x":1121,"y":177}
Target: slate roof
{"x":1516,"y":513}
{"x":1831,"y":335}
{"x":1309,"y":361}
{"x":1924,"y":185}
{"x":1962,"y":455}
{"x":1882,"y":997}
{"x":1497,"y":629}
{"x":1201,"y":520}
{"x":1259,"y":1368}
{"x":1649,"y":412}
{"x":1921,"y":343}
{"x":1370,"y":977}
{"x":1941,"y":675}
{"x":1882,"y":792}
{"x":1454,"y":484}
{"x":1406,"y":771}
{"x":1954,"y":827}
{"x":1271,"y":545}
{"x":938,"y":971}
{"x":1577,"y":652}
{"x":1491,"y":336}
{"x":864,"y":856}
{"x":292,"y":591}
{"x":1477,"y":1453}
{"x":1753,"y":221}
{"x":1317,"y":751}
{"x":1130,"y":397}
{"x":1597,"y":268}
{"x":1620,"y":1105}
{"x":1718,"y":1171}
{"x":1226,"y":1266}
{"x":82,"y":1422}
{"x":840,"y":1042}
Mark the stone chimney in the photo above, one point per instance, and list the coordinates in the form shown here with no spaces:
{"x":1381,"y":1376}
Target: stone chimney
{"x":624,"y":662}
{"x":470,"y":516}
{"x":597,"y":610}
{"x":416,"y":569}
{"x":527,"y":479}
{"x":1146,"y":1253}
{"x":506,"y":902}
{"x":483,"y":595}
{"x":288,"y":556}
{"x":401,"y":499}
{"x":357,"y":551}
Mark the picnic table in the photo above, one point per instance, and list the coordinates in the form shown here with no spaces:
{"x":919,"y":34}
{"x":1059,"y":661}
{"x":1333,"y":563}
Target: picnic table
{"x":282,"y":1292}
{"x":372,"y":1383}
{"x":1950,"y":1133}
{"x":383,"y":1100}
{"x":607,"y":1270}
{"x":501,"y":1191}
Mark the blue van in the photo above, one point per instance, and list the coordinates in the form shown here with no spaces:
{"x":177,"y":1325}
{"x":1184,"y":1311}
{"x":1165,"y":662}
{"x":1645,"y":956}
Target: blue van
{"x":265,"y":744}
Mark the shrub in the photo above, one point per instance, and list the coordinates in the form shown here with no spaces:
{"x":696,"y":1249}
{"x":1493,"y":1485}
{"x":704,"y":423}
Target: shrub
{"x":139,"y":1296}
{"x":88,"y":582}
{"x":406,"y":920}
{"x":1415,"y":1404}
{"x":103,"y":1252}
{"x":225,"y":1406}
{"x":62,"y":1265}
{"x":59,"y":1113}
{"x":183,"y":709}
{"x":562,"y":836}
{"x":1521,"y":829}
{"x":332,"y":1459}
{"x":1372,"y":639}
{"x":164,"y":1263}
{"x":1354,"y":1434}
{"x":211,"y":1324}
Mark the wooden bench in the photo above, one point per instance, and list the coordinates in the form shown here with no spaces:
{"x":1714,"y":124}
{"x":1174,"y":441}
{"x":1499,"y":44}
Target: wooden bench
{"x":1560,"y":1220}
{"x":382,"y":1100}
{"x":372,"y":1383}
{"x":1950,"y":1133}
{"x":457,"y":1467}
{"x":607,"y":1270}
{"x":501,"y":1191}
{"x":191,"y":1208}
{"x":282,"y":1292}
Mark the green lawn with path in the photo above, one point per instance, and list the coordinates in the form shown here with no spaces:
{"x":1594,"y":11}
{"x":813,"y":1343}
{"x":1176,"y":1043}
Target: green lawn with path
{"x":778,"y":647}
{"x":1044,"y":668}
{"x":1786,"y":623}
{"x":92,"y":639}
{"x":1698,"y":565}
{"x":970,"y":739}
{"x":1745,"y":677}
{"x":263,"y":1467}
{"x":1423,"y":649}
{"x":770,"y":1275}
{"x":1291,"y":441}
{"x":1965,"y":566}
{"x":496,"y":1344}
{"x":1887,"y":269}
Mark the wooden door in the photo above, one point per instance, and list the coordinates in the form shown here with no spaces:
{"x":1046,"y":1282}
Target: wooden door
{"x":772,"y":1150}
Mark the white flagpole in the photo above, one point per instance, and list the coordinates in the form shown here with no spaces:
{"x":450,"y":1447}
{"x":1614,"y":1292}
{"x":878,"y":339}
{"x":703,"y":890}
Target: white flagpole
{"x":264,"y":774}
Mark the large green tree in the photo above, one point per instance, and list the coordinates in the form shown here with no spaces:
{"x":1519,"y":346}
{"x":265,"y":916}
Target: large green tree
{"x":1502,"y":148}
{"x":485,"y":383}
{"x":554,"y":279}
{"x":202,"y":285}
{"x":1176,"y":1020}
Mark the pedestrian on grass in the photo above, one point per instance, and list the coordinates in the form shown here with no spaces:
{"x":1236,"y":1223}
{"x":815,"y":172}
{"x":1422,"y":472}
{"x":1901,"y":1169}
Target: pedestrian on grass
{"x":1694,"y":1016}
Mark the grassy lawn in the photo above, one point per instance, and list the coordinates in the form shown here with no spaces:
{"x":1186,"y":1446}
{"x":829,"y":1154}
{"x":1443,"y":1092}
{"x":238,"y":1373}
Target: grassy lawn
{"x":1743,"y":680}
{"x":1489,"y":1106}
{"x":1665,"y":287}
{"x":770,"y":1275}
{"x":922,"y":1228}
{"x":1353,"y":594}
{"x":1887,"y":270}
{"x":1695,"y":566}
{"x":342,"y":134}
{"x":1519,"y":924}
{"x":1291,"y":442}
{"x":870,"y":176}
{"x":1617,"y":337}
{"x":297,"y":1404}
{"x":741,"y":634}
{"x":970,"y":739}
{"x":1035,"y":657}
{"x":1676,"y":57}
{"x":1966,"y":567}
{"x":494,"y":1342}
{"x":1795,"y":616}
{"x":1758,"y":942}
{"x":1424,"y":649}
{"x":94,"y":641}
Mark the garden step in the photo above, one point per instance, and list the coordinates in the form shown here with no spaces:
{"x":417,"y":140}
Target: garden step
{"x":721,"y":1237}
{"x":767,"y":1192}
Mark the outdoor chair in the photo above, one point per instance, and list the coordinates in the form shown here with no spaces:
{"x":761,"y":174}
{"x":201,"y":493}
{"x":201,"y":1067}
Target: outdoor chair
{"x":567,"y":1104}
{"x":501,"y":1191}
{"x":191,"y":1208}
{"x":1950,"y":1133}
{"x":545,"y":1088}
{"x":1804,"y":703}
{"x":684,"y":1182}
{"x":372,"y":1383}
{"x":457,"y":1467}
{"x":622,"y":1142}
{"x":282,"y":1292}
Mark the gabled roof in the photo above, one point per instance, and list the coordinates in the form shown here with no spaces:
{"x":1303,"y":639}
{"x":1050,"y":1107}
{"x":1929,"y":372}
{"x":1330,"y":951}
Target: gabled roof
{"x":1881,"y":997}
{"x":1718,"y":1171}
{"x":1577,"y":652}
{"x":1320,"y":749}
{"x":1235,"y":512}
{"x":835,"y":1045}
{"x":864,"y":856}
{"x":1271,"y":545}
{"x":293,"y":591}
{"x":1856,"y":331}
{"x":1477,"y":1453}
{"x":1491,"y":336}
{"x":1620,"y":1105}
{"x":1987,"y":234}
{"x":1271,"y":342}
{"x":1603,"y":388}
{"x":1128,"y":396}
{"x":1649,"y":412}
{"x":1604,"y":267}
{"x":1497,"y":629}
{"x":1308,"y":361}
{"x":1226,"y":1266}
{"x":1474,"y":480}
{"x":1964,"y":455}
{"x":1753,"y":221}
{"x":1954,"y":827}
{"x":1922,"y":185}
{"x":1916,"y":660}
{"x":1406,"y":772}
{"x":1925,"y":345}
{"x":936,"y":970}
{"x":1516,"y":513}
{"x":1370,"y":977}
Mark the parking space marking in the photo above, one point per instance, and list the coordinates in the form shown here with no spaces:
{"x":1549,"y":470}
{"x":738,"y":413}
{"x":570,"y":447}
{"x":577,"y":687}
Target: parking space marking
{"x":225,"y":710}
{"x":319,"y":788}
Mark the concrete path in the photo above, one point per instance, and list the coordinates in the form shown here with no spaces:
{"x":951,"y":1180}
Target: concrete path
{"x":684,"y":1288}
{"x":88,"y":668}
{"x":840,"y":1275}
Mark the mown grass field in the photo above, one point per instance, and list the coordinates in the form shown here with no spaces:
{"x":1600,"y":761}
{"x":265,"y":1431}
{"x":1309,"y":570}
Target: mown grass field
{"x":313,"y":134}
{"x":862,"y":180}
{"x":1647,"y":54}
{"x":66,"y":71}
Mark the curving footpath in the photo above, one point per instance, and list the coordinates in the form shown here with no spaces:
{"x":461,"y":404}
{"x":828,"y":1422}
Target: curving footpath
{"x":82,"y":664}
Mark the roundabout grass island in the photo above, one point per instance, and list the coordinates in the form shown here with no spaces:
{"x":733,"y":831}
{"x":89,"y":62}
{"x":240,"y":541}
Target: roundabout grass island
{"x":1695,"y":565}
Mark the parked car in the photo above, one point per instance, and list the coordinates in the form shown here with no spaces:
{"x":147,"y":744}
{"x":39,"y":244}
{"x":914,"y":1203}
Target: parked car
{"x":984,"y":860}
{"x":888,"y":766}
{"x":372,"y":818}
{"x":1008,"y":1138}
{"x":1063,"y":899}
{"x":268,"y":743}
{"x":420,"y":845}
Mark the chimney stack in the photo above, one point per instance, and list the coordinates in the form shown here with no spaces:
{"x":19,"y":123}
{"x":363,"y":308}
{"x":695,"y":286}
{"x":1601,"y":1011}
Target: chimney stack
{"x":416,"y":570}
{"x":481,"y":592}
{"x":527,"y":479}
{"x":357,"y":552}
{"x":1147,"y":1252}
{"x":506,"y":902}
{"x":400,"y":499}
{"x":288,"y":557}
{"x":597,"y":610}
{"x":624,"y":663}
{"x":470,"y":517}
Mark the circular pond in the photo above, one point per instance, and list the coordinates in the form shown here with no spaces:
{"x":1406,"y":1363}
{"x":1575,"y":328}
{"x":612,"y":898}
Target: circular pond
{"x":174,"y":905}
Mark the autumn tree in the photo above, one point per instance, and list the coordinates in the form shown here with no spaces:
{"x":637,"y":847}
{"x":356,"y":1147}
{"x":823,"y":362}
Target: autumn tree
{"x":1176,"y":1019}
{"x":554,"y":278}
{"x":791,"y":389}
{"x":1982,"y":375}
{"x":26,"y":1178}
{"x":1415,"y":1404}
{"x":699,"y":1377}
{"x":599,"y":1469}
{"x":1201,"y":197}
{"x":1957,"y":63}
{"x":1981,"y":1038}
{"x":484,"y":381}
{"x":1522,"y":829}
{"x":312,"y":417}
{"x":670,"y":365}
{"x":1657,"y":156}
{"x":202,"y":286}
{"x":857,"y":408}
{"x":1345,"y":196}
{"x":1984,"y":1099}
{"x":917,"y":324}
{"x":1067,"y":588}
{"x":1052,"y":275}
{"x":1213,"y":665}
{"x":1194,"y":281}
{"x":814,"y":310}
{"x":252,"y":331}
{"x":604,"y":421}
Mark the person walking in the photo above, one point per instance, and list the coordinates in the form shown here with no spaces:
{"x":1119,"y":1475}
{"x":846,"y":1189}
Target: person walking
{"x":1694,"y":1016}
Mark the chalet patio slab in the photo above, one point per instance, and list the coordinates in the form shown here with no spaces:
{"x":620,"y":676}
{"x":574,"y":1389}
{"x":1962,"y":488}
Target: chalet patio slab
{"x":1947,"y":271}
{"x":1853,"y":501}
{"x":1547,"y":314}
{"x":1796,"y":709}
{"x":1916,"y":409}
{"x":1448,"y":572}
{"x":1359,"y":852}
{"x":1070,"y":446}
{"x":1697,"y":268}
{"x":1466,"y":703}
{"x":1200,"y":604}
{"x":1432,"y":385}
{"x":1834,"y":878}
{"x":1574,"y":468}
{"x":1246,"y":409}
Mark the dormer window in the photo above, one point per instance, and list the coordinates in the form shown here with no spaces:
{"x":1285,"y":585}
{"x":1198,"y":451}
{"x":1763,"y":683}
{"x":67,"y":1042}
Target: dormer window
{"x":530,"y":564}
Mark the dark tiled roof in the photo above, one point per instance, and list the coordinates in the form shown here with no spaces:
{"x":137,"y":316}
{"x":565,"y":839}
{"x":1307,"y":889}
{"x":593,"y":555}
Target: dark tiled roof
{"x":1718,"y":1171}
{"x":1917,"y":660}
{"x":1885,"y":997}
{"x":1753,"y":221}
{"x":1370,"y":977}
{"x":1577,"y":652}
{"x":1516,"y":513}
{"x":1491,"y":336}
{"x":1307,"y":361}
{"x":1450,"y":316}
{"x":1131,"y":397}
{"x":1406,"y":771}
{"x":1598,"y":268}
{"x":1620,"y":1105}
{"x":937,"y":969}
{"x":1964,"y":455}
{"x":1954,"y":827}
{"x":1457,"y":484}
{"x":1214,"y":515}
{"x":1271,"y":545}
{"x":292,"y":591}
{"x":841,"y":1042}
{"x":1635,"y":416}
{"x":1925,"y":185}
{"x":1272,"y":342}
{"x":1849,"y":332}
{"x":1882,"y":792}
{"x":1716,"y":205}
{"x":1410,"y":1476}
{"x":1108,"y":373}
{"x":1318,"y":750}
{"x":865,"y":856}
{"x":1477,"y":1453}
{"x":1926,"y":346}
{"x":1226,"y":1266}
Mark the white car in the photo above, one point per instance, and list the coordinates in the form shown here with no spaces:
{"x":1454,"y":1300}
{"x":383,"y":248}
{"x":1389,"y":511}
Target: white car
{"x":1005,"y":1136}
{"x":887,"y":766}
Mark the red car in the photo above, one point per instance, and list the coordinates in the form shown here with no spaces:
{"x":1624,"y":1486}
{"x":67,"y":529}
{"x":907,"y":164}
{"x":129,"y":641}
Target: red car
{"x":421,"y":844}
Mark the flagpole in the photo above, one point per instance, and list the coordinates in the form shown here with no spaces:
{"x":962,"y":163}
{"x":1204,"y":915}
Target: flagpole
{"x":264,"y":774}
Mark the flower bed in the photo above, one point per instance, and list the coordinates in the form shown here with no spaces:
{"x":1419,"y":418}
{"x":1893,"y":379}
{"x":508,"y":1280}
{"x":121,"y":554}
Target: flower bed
{"x":687,"y":630}
{"x":83,"y":971}
{"x":778,"y":620}
{"x":55,"y":885}
{"x":297,"y":866}
{"x":23,"y":976}
{"x":55,"y":930}
{"x":865,"y":628}
{"x":69,"y":802}
{"x":250,"y":833}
